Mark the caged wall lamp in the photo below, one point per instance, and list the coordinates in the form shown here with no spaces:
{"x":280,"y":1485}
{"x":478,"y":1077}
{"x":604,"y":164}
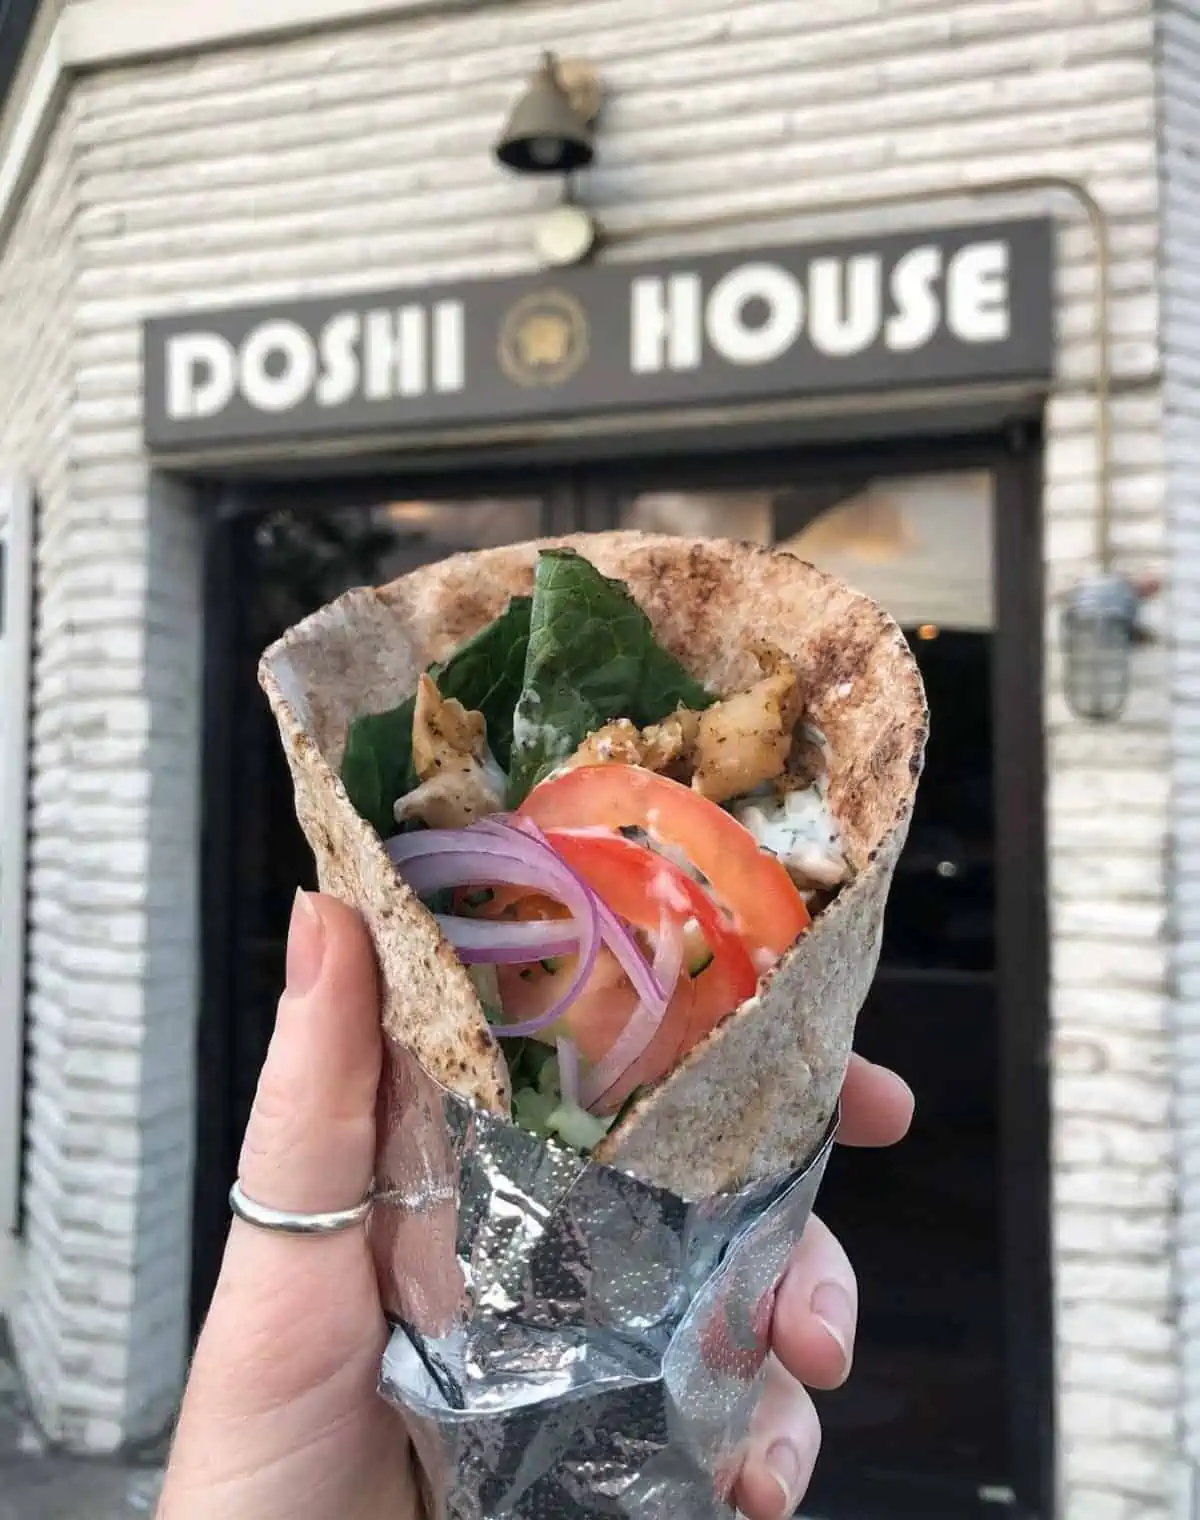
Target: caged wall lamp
{"x":1099,"y":630}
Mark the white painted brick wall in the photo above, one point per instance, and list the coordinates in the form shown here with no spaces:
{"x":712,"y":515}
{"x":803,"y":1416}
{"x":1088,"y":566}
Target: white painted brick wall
{"x":37,"y":273}
{"x":112,"y":1002}
{"x":1179,"y":86}
{"x":361,"y":158}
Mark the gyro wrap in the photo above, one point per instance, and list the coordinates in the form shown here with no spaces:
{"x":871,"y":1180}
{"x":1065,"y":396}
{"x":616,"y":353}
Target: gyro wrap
{"x":499,"y":1251}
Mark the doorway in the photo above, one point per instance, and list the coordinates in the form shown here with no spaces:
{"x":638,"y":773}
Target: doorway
{"x":948,"y":1412}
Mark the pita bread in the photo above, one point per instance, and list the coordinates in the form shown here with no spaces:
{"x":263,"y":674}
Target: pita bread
{"x":756,"y":1097}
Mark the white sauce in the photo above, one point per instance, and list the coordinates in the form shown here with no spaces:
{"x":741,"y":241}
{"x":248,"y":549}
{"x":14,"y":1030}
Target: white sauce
{"x":801,"y":831}
{"x":542,"y":737}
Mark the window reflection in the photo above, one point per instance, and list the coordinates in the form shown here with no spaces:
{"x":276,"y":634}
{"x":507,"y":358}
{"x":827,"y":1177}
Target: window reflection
{"x":747,"y":515}
{"x":921,"y":545}
{"x":305,"y":559}
{"x":484,"y":523}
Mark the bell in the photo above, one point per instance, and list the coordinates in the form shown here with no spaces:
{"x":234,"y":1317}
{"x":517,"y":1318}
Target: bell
{"x":544,"y":134}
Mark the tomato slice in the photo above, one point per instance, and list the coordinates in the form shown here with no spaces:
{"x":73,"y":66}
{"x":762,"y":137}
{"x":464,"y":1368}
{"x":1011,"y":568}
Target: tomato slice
{"x":598,"y":1015}
{"x":641,"y":887}
{"x":768,"y":911}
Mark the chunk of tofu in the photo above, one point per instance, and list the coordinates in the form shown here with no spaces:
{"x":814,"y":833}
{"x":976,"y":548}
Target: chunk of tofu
{"x":445,"y":733}
{"x":727,"y":750}
{"x":656,"y":748}
{"x":744,"y":740}
{"x":459,"y":780}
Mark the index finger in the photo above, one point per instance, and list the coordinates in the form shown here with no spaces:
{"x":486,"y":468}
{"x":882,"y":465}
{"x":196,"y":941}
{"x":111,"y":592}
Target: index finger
{"x":877,"y":1105}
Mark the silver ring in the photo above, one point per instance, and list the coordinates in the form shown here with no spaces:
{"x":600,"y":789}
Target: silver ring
{"x":289,"y":1222}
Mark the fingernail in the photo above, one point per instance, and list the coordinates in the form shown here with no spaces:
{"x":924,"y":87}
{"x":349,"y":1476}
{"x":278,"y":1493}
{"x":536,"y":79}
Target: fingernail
{"x":305,"y":946}
{"x":783,"y":1463}
{"x":831,"y":1304}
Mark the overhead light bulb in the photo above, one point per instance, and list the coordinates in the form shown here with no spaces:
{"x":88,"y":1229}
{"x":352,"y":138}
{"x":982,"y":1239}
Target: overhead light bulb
{"x":565,"y":235}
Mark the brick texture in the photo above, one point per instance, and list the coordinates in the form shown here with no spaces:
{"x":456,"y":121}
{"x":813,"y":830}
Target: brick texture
{"x":361,"y":158}
{"x":115,"y":803}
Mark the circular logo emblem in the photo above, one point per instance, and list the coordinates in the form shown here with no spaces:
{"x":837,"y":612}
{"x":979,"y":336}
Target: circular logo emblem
{"x":544,"y":339}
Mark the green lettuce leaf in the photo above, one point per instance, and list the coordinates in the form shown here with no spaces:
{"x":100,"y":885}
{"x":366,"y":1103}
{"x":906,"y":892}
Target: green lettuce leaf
{"x":592,"y":657}
{"x":486,"y":674}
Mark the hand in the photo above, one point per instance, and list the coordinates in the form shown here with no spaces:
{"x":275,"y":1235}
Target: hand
{"x":281,"y":1414}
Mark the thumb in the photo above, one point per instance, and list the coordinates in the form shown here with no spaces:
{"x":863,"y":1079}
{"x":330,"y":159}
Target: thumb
{"x":291,"y":1312}
{"x":310,"y":1143}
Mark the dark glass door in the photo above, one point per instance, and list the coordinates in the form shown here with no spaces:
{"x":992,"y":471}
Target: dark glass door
{"x":948,"y":1411}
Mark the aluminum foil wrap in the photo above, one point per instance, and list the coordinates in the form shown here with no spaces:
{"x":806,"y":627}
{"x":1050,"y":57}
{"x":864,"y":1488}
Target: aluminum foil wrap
{"x":568,"y":1342}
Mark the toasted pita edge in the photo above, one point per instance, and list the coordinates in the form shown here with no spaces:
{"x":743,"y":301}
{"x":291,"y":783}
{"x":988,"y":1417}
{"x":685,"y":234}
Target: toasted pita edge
{"x":756,"y":1096}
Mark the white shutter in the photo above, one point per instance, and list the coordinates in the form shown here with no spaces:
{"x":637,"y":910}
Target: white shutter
{"x":16,"y":643}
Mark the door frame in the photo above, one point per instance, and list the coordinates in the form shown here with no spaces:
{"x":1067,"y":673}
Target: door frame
{"x":592,"y":488}
{"x":1023,"y":972}
{"x":18,"y":513}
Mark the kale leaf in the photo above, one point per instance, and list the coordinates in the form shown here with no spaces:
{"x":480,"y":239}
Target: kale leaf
{"x":592,"y":657}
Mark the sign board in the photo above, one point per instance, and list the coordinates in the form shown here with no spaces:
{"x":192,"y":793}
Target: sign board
{"x":965,"y":305}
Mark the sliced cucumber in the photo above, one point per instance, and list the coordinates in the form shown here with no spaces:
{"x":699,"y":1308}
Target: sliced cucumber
{"x":487,"y":990}
{"x":577,"y":1128}
{"x":699,"y":962}
{"x":538,"y":1105}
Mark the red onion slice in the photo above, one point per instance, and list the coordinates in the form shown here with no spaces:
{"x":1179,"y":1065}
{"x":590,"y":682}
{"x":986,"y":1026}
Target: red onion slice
{"x":476,"y":837}
{"x":620,"y":941}
{"x":517,"y":853}
{"x":505,"y":943}
{"x":464,"y":868}
{"x":520,"y":840}
{"x":644,"y":1022}
{"x":568,"y":1071}
{"x":468,"y":868}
